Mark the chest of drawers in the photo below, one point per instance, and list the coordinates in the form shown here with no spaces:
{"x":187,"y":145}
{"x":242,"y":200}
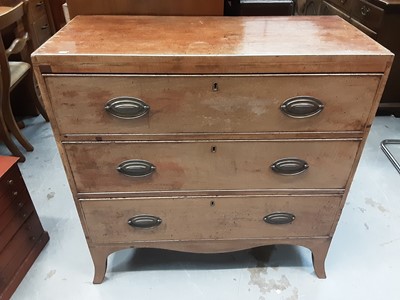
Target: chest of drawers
{"x":186,"y":133}
{"x":21,"y":234}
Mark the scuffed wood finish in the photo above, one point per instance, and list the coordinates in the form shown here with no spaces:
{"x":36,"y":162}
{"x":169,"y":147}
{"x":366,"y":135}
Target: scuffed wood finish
{"x":209,"y":218}
{"x":210,"y":45}
{"x":183,"y":104}
{"x":235,"y":165}
{"x":316,"y":245}
{"x":212,"y":148}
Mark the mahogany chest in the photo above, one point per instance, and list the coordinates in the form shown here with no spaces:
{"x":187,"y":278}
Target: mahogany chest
{"x":210,"y":134}
{"x":22,"y":237}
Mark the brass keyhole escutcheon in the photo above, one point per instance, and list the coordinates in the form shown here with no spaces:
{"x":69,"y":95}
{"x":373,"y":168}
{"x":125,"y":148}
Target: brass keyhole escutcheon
{"x":215,"y":87}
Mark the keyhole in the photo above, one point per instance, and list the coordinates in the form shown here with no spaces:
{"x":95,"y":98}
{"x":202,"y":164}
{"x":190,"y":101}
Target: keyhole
{"x":212,"y":203}
{"x":214,"y":149}
{"x":215,"y":87}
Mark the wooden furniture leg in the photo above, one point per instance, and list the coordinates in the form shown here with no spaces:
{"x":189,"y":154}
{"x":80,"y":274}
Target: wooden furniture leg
{"x":99,"y":257}
{"x":6,"y":137}
{"x":319,"y":249}
{"x":13,"y":127}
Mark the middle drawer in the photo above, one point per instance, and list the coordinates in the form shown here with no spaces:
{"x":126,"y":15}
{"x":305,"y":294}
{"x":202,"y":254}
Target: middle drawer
{"x":210,"y":165}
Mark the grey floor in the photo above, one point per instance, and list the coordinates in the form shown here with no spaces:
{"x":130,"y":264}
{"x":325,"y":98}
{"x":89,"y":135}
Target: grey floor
{"x":363,"y":261}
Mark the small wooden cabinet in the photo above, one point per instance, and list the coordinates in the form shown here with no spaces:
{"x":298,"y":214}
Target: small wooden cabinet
{"x":210,"y":134}
{"x":40,"y":22}
{"x":21,"y":234}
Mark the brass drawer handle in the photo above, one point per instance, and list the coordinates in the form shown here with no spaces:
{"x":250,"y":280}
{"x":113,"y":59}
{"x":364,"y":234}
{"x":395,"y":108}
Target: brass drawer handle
{"x":302,"y":107}
{"x":136,"y":168}
{"x":144,"y":221}
{"x":39,"y":4}
{"x":365,"y":10}
{"x":127,"y":108}
{"x":44,"y":27}
{"x":289,"y":166}
{"x":279,"y":218}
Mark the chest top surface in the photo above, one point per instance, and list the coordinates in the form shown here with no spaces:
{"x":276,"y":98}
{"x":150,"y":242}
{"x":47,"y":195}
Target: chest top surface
{"x":6,"y":162}
{"x":147,"y":44}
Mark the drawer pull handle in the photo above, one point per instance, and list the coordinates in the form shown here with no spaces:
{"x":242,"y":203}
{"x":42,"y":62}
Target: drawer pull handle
{"x":365,"y":10}
{"x":302,"y":107}
{"x":343,"y":1}
{"x":44,"y":27}
{"x":136,"y":168}
{"x":279,"y":218}
{"x":127,"y":108}
{"x":144,"y":221}
{"x":39,"y":4}
{"x":289,"y":166}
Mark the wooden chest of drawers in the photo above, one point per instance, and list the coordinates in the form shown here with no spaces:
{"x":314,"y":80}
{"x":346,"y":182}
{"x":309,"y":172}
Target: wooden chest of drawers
{"x":187,"y":134}
{"x":21,"y":234}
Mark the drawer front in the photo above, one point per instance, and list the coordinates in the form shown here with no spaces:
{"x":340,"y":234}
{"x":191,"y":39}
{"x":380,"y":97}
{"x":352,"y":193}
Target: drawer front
{"x":37,"y":9}
{"x":208,"y":218}
{"x":364,"y":29}
{"x":368,"y":14}
{"x":14,"y":217}
{"x":12,"y":188}
{"x":18,"y":248}
{"x":217,"y":165}
{"x":329,"y":10}
{"x":209,"y":104}
{"x":344,"y":5}
{"x":42,"y":30}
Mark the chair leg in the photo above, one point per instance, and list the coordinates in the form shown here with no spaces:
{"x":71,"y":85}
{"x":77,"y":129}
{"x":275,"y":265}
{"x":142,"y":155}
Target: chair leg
{"x":6,"y":137}
{"x":12,"y":125}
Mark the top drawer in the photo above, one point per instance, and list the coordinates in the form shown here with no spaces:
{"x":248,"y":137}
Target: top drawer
{"x":210,"y":104}
{"x":37,"y":9}
{"x":344,"y":5}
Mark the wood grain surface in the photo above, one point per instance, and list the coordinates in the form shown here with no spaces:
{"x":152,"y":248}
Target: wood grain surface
{"x":209,"y":218}
{"x":186,"y":166}
{"x":210,"y":45}
{"x":188,"y":104}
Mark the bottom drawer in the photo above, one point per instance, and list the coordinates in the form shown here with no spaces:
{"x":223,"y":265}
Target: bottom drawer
{"x":204,"y":218}
{"x":18,"y":248}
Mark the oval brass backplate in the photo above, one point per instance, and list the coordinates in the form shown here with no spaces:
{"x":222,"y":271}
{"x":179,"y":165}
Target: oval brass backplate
{"x":279,"y":218}
{"x":127,"y":107}
{"x":144,"y":221}
{"x":289,"y":166}
{"x":302,"y":107}
{"x":136,"y":168}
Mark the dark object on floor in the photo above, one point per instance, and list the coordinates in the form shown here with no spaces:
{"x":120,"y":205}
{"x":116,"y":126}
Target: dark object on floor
{"x":21,"y":234}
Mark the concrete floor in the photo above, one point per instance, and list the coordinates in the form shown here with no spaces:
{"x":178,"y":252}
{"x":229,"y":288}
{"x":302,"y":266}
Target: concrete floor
{"x":362,"y":263}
